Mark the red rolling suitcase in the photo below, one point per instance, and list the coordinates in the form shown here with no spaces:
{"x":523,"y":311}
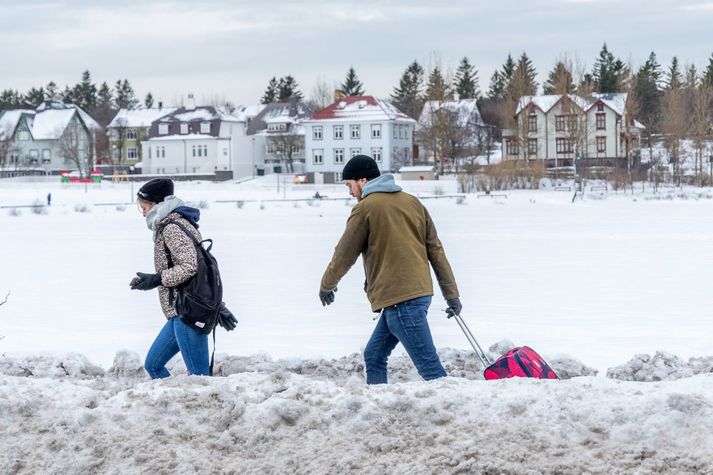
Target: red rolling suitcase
{"x":522,"y":361}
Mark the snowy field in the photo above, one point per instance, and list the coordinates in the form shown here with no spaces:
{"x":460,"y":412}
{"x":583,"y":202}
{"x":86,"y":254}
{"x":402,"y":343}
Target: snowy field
{"x":590,"y":285}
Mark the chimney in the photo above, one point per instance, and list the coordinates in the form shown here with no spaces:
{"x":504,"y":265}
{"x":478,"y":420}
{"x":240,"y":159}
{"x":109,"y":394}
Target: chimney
{"x":190,"y":103}
{"x":160,"y":105}
{"x":338,"y":94}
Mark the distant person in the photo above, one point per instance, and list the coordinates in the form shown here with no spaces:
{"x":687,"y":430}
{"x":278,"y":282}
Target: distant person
{"x":397,"y":240}
{"x":162,"y":210}
{"x":49,"y":199}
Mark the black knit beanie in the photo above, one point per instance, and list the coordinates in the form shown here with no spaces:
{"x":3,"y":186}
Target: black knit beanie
{"x":156,"y":190}
{"x":360,"y":166}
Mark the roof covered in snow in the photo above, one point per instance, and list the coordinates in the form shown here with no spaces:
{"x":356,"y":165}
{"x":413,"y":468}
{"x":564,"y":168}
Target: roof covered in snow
{"x":139,"y":117}
{"x":361,"y":108}
{"x":9,"y":120}
{"x":278,"y":113}
{"x":466,"y":110}
{"x":48,"y":121}
{"x":615,"y":101}
{"x":200,"y":113}
{"x":246,"y":113}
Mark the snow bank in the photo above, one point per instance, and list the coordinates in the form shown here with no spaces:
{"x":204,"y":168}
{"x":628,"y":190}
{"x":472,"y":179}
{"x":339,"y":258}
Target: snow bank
{"x":661,"y":366}
{"x":289,"y":423}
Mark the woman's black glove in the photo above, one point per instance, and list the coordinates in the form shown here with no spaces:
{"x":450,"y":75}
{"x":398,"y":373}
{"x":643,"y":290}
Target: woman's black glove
{"x":145,"y":281}
{"x":226,"y":319}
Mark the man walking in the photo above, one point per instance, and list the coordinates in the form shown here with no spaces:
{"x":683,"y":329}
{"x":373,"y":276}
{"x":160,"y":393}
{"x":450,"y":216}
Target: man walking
{"x":394,"y":233}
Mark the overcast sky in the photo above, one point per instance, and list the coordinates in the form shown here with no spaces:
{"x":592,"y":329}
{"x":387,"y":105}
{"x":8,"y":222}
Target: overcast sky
{"x":230,"y":49}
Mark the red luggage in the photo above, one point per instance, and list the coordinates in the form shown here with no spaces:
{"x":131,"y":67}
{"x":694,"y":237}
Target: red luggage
{"x":523,"y":361}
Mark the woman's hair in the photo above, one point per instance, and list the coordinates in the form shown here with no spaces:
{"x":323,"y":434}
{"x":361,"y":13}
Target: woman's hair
{"x":143,"y":201}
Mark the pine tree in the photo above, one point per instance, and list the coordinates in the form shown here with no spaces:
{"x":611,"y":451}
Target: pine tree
{"x":507,"y":72}
{"x":10,"y":99}
{"x":125,"y":96}
{"x":104,"y":98}
{"x":708,"y":74}
{"x":559,"y":81}
{"x":148,"y":101}
{"x":86,"y":92}
{"x":648,"y":93}
{"x":437,"y":88}
{"x":466,"y":81}
{"x":692,"y":79}
{"x":68,"y":95}
{"x":497,"y":86}
{"x":607,"y":72}
{"x":407,"y":96}
{"x":352,"y":86}
{"x":674,"y":80}
{"x":51,"y":92}
{"x":270,"y":95}
{"x":35,"y":97}
{"x":287,"y":89}
{"x":523,"y":79}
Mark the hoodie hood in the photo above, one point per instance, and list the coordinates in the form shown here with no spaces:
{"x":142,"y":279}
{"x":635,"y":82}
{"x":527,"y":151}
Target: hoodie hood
{"x":159,"y":212}
{"x":383,"y":184}
{"x":192,"y":215}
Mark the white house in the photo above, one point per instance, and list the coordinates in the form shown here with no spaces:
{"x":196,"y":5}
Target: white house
{"x":128,"y":128}
{"x":201,"y":139}
{"x":559,"y":128}
{"x":50,"y":138}
{"x":356,"y":125}
{"x":435,"y":120}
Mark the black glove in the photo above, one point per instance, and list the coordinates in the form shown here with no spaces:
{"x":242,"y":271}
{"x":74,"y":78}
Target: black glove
{"x":145,"y":281}
{"x":226,"y":319}
{"x":454,"y":307}
{"x":327,"y":297}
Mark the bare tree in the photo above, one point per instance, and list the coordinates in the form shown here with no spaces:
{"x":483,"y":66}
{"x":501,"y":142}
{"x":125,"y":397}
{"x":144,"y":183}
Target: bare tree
{"x":7,"y":148}
{"x":286,"y":146}
{"x":322,"y":94}
{"x":74,"y":145}
{"x":701,"y":125}
{"x":674,"y":120}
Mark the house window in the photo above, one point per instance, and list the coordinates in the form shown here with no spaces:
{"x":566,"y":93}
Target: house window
{"x":14,"y":157}
{"x":184,"y":128}
{"x":353,"y":152}
{"x":401,"y":131}
{"x":205,"y":127}
{"x":317,"y":156}
{"x":532,"y":123}
{"x":601,"y":144}
{"x":149,"y":152}
{"x":564,"y":146}
{"x":131,"y":153}
{"x":163,"y":129}
{"x":376,"y":154}
{"x":131,"y":134}
{"x":34,"y":154}
{"x":23,"y":135}
{"x":512,"y":147}
{"x":337,"y":176}
{"x":338,"y":132}
{"x":225,"y":152}
{"x":559,"y":123}
{"x":317,"y":132}
{"x":572,"y":123}
{"x":600,"y":107}
{"x":601,"y":121}
{"x":532,"y":148}
{"x":193,"y":150}
{"x":205,"y":150}
{"x":338,"y":155}
{"x":161,"y":152}
{"x":46,"y":155}
{"x":406,"y":131}
{"x":375,"y":131}
{"x":396,"y":131}
{"x":355,"y":131}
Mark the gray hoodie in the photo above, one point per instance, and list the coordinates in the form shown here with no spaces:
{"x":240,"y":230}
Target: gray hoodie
{"x":383,"y":184}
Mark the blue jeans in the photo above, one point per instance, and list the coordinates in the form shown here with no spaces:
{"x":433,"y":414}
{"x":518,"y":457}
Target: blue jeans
{"x":176,"y":336}
{"x":406,"y":323}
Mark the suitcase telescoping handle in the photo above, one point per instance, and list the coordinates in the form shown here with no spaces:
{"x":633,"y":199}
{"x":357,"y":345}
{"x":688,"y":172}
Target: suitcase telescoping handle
{"x":471,"y":339}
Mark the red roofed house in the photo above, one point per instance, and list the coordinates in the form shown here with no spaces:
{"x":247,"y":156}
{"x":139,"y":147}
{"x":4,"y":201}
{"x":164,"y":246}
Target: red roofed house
{"x":352,"y":126}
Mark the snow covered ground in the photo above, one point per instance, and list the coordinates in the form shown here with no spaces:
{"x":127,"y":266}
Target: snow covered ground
{"x":590,"y":285}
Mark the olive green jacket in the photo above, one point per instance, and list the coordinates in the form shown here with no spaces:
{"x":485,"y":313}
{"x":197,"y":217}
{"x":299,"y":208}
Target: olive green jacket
{"x":397,"y":239}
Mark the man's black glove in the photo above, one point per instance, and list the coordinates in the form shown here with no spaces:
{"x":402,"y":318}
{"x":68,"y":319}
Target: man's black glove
{"x":454,"y":307}
{"x":327,"y":297}
{"x":145,"y":281}
{"x":226,"y":319}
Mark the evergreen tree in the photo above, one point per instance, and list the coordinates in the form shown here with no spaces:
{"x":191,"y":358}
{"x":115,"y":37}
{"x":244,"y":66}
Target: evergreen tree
{"x":559,"y":81}
{"x":35,"y":97}
{"x":497,"y":86}
{"x":708,"y":74}
{"x":407,"y":96}
{"x":125,"y":96}
{"x":352,"y":86}
{"x":104,"y":97}
{"x":287,"y":89}
{"x":607,"y":72}
{"x":674,"y":80}
{"x":148,"y":101}
{"x":466,"y":81}
{"x":692,"y":79}
{"x":10,"y":99}
{"x":437,"y":88}
{"x":67,"y":96}
{"x":523,"y":79}
{"x":51,"y":92}
{"x":648,"y":93}
{"x":270,"y":95}
{"x":86,"y":92}
{"x":507,"y":72}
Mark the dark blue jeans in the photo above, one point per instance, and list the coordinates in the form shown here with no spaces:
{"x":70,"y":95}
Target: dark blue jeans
{"x":176,"y":336}
{"x":406,"y":323}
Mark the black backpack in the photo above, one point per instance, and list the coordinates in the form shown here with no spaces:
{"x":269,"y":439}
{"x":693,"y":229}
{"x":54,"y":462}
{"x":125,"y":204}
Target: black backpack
{"x":199,"y":300}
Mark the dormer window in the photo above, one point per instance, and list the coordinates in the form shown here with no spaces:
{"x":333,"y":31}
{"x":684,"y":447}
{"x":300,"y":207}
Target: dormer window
{"x":600,"y":107}
{"x":163,"y":129}
{"x":131,"y":134}
{"x":184,"y":128}
{"x":276,"y":127}
{"x":205,"y":127}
